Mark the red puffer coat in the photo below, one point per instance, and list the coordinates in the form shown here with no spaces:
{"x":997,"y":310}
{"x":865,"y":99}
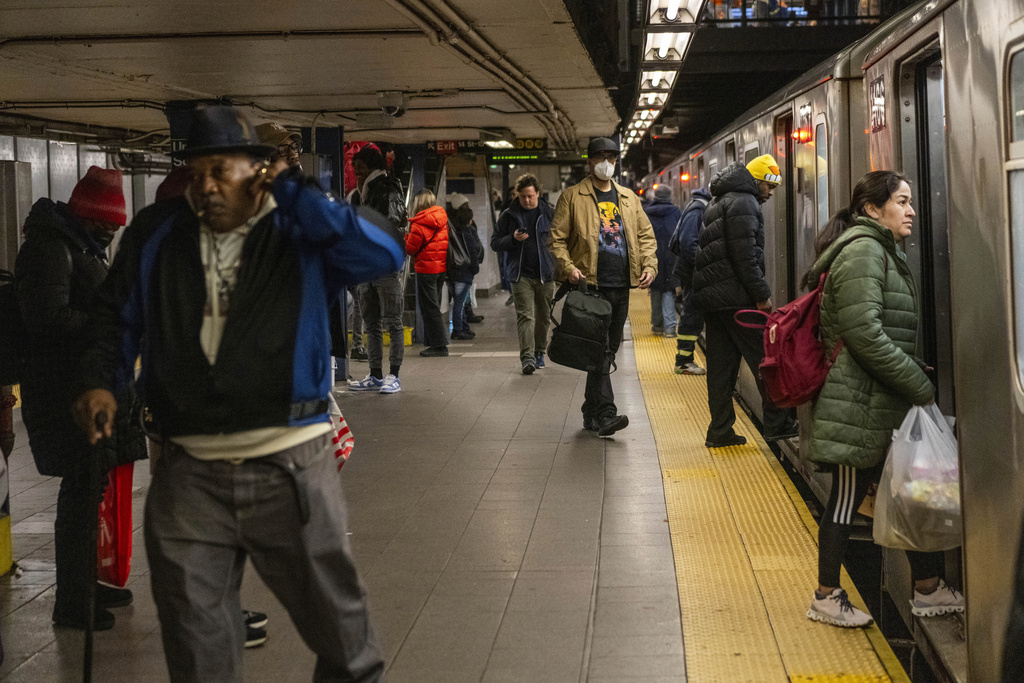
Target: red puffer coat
{"x":429,"y":259}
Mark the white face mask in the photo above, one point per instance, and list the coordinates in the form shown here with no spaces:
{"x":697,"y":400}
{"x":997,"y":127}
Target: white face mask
{"x":604,"y":169}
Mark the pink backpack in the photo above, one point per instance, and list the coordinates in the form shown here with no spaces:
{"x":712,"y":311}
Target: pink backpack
{"x":795,"y":361}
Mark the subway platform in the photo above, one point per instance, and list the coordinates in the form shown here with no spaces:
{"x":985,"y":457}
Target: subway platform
{"x":500,"y":541}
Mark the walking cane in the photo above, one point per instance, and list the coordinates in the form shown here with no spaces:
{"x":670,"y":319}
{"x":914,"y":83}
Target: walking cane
{"x":94,"y":483}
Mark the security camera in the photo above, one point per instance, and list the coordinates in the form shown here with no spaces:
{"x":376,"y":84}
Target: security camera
{"x":391,"y":102}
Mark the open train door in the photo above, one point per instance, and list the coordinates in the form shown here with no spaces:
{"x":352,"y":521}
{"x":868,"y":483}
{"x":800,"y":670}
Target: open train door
{"x":786,"y":288}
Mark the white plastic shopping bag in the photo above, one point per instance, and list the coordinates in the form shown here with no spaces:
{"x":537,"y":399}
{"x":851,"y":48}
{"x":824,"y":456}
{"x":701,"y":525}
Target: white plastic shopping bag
{"x":918,"y":502}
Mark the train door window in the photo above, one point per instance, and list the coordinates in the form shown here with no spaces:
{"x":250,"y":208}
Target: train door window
{"x":1016,"y":170}
{"x":923,"y":112}
{"x":751,"y":152}
{"x":712,"y":168}
{"x":821,"y":150}
{"x":730,"y":152}
{"x":701,"y":173}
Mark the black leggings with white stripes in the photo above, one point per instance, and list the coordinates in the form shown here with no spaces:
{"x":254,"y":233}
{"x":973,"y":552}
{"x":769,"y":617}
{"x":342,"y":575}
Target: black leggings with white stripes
{"x":849,"y":487}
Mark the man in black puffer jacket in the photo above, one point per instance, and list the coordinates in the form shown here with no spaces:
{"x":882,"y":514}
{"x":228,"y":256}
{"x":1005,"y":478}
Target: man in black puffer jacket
{"x":59,"y":268}
{"x":729,"y":275}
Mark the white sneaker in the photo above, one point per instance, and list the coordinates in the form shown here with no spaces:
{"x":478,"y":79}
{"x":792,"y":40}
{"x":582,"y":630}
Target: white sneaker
{"x":941,"y":601}
{"x":836,"y":609}
{"x":369,"y":383}
{"x":391,"y":385}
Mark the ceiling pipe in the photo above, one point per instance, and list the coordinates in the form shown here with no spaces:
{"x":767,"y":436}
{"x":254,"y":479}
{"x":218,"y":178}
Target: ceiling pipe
{"x":210,"y":35}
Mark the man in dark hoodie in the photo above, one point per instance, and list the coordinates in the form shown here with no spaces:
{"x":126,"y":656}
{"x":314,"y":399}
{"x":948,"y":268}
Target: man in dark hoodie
{"x":691,"y":322}
{"x":664,"y":217}
{"x":729,"y":275}
{"x":59,"y":268}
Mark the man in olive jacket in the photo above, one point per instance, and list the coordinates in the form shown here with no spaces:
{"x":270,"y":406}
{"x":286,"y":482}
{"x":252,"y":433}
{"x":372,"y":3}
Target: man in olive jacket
{"x":601,"y":234}
{"x":729,"y":275}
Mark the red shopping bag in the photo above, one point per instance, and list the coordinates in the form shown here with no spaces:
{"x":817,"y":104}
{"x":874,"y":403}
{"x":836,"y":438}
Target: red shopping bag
{"x":114,"y":539}
{"x":343,"y":440}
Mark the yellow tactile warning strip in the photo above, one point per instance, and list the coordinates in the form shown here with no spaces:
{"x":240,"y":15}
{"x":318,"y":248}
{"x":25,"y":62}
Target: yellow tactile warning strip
{"x":745,"y":544}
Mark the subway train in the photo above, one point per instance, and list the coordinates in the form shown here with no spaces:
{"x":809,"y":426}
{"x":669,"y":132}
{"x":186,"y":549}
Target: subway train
{"x":937,"y":93}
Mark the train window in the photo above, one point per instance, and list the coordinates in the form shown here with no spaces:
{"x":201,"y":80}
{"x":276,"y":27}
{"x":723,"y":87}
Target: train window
{"x":713,"y":168}
{"x":1017,"y":216}
{"x":821,"y":147}
{"x":751,"y":152}
{"x":701,"y":173}
{"x":730,"y":152}
{"x":1017,"y":96}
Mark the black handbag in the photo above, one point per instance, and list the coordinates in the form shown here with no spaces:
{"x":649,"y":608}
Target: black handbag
{"x":580,"y":339}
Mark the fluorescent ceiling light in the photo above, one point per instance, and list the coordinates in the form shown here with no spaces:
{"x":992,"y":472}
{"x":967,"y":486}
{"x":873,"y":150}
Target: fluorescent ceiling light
{"x":653,"y":99}
{"x":657,"y":80}
{"x":674,"y":12}
{"x":665,"y":46}
{"x":499,"y":144}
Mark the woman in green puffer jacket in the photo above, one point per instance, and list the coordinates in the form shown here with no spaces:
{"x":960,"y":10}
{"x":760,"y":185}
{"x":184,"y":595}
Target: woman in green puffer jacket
{"x":870,"y":305}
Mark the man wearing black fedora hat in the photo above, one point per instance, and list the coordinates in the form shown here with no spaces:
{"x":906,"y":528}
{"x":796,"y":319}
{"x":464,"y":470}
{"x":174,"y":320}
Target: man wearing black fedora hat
{"x":601,"y":235}
{"x":225,"y":294}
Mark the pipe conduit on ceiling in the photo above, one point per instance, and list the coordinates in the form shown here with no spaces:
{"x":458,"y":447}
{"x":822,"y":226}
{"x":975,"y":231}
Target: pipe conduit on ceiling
{"x":471,"y":48}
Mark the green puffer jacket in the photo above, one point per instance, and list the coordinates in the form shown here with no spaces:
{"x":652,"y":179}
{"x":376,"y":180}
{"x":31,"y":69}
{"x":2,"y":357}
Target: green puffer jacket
{"x":870,"y":302}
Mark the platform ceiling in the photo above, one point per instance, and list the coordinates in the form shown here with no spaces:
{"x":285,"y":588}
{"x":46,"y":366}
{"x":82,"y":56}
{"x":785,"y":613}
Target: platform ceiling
{"x":293,"y":59}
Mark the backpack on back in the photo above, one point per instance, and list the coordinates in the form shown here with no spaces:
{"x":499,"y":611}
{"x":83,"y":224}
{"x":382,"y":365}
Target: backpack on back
{"x":12,"y":332}
{"x":795,"y":361}
{"x":675,"y":242}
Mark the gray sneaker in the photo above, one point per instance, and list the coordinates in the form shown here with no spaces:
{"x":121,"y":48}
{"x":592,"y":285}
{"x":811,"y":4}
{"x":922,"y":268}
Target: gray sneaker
{"x":690,"y":369}
{"x":941,"y":601}
{"x":836,"y":609}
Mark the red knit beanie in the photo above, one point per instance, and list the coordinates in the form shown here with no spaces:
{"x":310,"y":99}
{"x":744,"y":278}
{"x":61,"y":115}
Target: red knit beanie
{"x":99,"y":196}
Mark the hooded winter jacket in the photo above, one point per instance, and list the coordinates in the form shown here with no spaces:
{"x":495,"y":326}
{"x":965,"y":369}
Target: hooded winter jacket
{"x":728,"y":270}
{"x":58,"y":271}
{"x":870,"y":302}
{"x":689,"y":231}
{"x":384,"y":195}
{"x":427,"y":241}
{"x":664,"y":216}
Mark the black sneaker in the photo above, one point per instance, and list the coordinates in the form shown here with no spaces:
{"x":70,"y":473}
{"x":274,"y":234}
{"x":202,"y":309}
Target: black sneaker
{"x":434,"y":352}
{"x":254,"y":637}
{"x":528,"y":368}
{"x":109,"y":597}
{"x":590,"y":424}
{"x":734,"y":440}
{"x":359,"y":354}
{"x":463,"y":335}
{"x":790,"y":431}
{"x":474,"y":318}
{"x":103,"y":620}
{"x":610,"y":425}
{"x":254,"y":619}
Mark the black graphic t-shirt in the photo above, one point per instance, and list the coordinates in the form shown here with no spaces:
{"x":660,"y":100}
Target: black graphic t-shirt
{"x":612,"y":257}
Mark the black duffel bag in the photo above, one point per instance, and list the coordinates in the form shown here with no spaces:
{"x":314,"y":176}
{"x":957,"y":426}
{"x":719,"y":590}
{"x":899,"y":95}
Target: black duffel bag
{"x":580,"y":339}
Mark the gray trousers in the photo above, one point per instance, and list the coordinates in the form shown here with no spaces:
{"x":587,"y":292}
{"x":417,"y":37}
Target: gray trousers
{"x":382,"y":304}
{"x":286,"y":513}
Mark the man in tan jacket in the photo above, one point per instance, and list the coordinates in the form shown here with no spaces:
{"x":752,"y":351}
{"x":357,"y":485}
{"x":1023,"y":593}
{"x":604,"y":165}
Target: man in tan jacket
{"x":600,"y":233}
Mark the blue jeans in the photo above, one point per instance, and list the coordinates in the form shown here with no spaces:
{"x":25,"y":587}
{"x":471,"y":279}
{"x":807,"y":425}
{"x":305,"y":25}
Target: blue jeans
{"x":663,"y":309}
{"x":461,"y":292}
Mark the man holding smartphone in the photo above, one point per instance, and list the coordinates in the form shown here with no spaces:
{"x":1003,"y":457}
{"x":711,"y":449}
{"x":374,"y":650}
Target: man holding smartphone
{"x":522,"y":234}
{"x":225,"y":293}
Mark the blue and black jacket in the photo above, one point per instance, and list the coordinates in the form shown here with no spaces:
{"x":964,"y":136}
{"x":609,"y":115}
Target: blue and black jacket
{"x":273,"y":365}
{"x":502,"y":240}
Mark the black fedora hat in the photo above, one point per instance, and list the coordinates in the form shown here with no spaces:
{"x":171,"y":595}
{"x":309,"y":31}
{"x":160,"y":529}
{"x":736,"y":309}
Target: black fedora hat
{"x":222,"y":129}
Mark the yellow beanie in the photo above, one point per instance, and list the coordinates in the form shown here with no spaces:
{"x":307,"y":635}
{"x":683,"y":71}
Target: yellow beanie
{"x":765,"y":168}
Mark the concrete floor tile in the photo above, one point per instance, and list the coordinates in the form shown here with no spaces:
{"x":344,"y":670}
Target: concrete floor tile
{"x":548,"y":665}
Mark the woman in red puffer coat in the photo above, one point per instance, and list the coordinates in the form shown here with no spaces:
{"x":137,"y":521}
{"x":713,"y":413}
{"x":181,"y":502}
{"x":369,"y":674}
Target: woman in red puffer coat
{"x":427,"y":243}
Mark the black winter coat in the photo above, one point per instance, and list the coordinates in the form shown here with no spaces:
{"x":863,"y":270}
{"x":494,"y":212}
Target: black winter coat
{"x":504,"y":242}
{"x":58,"y":270}
{"x":385,"y":196}
{"x":664,"y":217}
{"x":728,"y":271}
{"x":689,"y":232}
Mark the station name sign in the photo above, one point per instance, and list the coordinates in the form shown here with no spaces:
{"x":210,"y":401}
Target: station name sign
{"x":448,"y":147}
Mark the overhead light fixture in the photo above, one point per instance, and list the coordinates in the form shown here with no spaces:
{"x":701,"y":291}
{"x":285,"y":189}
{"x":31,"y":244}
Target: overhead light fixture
{"x":652,"y":99}
{"x":499,"y":144}
{"x":657,"y":80}
{"x":665,"y":46}
{"x":674,"y":12}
